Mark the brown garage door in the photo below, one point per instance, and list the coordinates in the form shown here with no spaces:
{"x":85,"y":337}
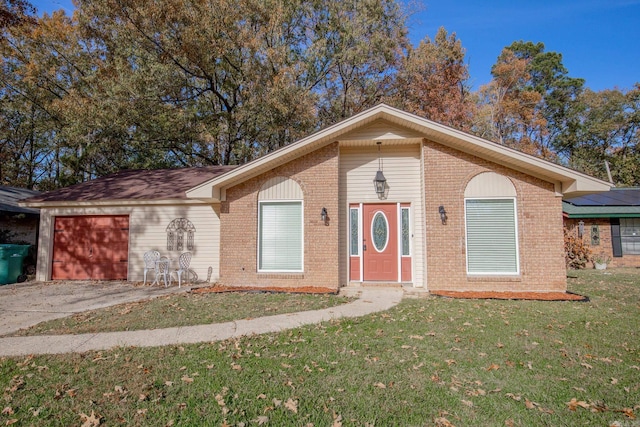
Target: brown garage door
{"x":90,"y":247}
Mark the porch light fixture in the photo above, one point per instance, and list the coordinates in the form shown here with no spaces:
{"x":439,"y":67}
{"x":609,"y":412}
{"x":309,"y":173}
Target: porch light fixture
{"x":580,"y":229}
{"x":323,"y":215}
{"x":380,"y":181}
{"x":443,"y":215}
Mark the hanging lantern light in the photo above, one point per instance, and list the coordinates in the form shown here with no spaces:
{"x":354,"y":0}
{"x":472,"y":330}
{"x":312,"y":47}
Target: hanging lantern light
{"x":380,"y":181}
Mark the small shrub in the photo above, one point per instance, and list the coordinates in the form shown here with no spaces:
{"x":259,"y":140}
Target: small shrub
{"x":576,"y":252}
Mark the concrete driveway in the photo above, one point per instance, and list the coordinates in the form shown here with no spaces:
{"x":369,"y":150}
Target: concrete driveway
{"x":26,"y":304}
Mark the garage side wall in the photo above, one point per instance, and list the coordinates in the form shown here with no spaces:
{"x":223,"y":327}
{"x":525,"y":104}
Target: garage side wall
{"x":539,"y":218}
{"x":147,"y":231}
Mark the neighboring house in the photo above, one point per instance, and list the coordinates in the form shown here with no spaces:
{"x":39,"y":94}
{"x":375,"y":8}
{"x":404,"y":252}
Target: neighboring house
{"x":450,"y":211}
{"x":17,"y":224}
{"x":608,"y":223}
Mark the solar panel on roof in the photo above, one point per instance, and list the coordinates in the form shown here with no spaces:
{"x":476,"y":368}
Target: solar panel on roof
{"x":615,"y":197}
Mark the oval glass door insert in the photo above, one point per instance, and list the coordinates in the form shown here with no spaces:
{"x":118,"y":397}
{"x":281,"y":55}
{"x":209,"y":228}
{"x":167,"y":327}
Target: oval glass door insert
{"x":380,"y":231}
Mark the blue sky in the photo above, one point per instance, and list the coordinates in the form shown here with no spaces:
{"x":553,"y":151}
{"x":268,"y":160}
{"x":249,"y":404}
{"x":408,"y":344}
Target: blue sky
{"x":598,"y":39}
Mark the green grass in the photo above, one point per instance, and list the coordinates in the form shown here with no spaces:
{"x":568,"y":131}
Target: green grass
{"x":432,"y":361}
{"x":185,"y":309}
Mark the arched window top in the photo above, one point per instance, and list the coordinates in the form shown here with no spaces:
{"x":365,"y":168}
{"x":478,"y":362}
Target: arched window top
{"x":489,"y":184}
{"x":280,"y":188}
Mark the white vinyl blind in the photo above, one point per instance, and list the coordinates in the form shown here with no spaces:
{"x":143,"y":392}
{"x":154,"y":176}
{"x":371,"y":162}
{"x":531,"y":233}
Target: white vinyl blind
{"x":280,"y":246}
{"x":491,"y":236}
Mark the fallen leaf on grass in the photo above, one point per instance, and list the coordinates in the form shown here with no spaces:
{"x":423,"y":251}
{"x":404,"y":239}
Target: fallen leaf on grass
{"x":220,"y":400}
{"x":573,"y":404}
{"x":90,"y":420}
{"x":493,"y":367}
{"x":628,"y":412}
{"x":11,"y":421}
{"x":529,"y":404}
{"x":337,"y":420}
{"x":467,"y":402}
{"x":443,"y":422}
{"x":380,"y":385}
{"x":291,"y":405}
{"x":614,"y":381}
{"x":586,"y":365}
{"x":261,"y":419}
{"x":187,"y":379}
{"x":7,"y":411}
{"x":513,"y":396}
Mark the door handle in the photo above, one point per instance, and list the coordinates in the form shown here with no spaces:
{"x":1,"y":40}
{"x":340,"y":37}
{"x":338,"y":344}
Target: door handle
{"x":364,"y":247}
{"x":90,"y":251}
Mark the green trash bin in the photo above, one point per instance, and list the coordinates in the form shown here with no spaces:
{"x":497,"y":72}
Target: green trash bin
{"x":11,"y":258}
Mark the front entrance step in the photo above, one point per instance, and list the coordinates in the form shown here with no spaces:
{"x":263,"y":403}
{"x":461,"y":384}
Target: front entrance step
{"x":354,"y":289}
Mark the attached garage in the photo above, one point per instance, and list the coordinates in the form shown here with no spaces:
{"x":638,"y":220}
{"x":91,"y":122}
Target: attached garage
{"x":100,"y":229}
{"x":90,"y":247}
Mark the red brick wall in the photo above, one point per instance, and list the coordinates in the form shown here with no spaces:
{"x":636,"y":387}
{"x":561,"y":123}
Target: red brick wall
{"x":605,"y":246}
{"x":317,"y":174}
{"x":539,"y":213}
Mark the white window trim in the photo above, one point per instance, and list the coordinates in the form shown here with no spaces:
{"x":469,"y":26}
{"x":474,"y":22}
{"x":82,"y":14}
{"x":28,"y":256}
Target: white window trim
{"x":517,"y":237}
{"x":260,"y":202}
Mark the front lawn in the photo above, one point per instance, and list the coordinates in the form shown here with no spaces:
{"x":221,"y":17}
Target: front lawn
{"x":185,"y":309}
{"x":431,"y":361}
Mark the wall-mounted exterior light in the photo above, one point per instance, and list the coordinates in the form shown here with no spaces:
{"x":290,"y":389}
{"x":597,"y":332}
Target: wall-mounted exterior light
{"x":443,"y":215}
{"x":324,"y":216}
{"x":380,"y":182}
{"x":580,"y":229}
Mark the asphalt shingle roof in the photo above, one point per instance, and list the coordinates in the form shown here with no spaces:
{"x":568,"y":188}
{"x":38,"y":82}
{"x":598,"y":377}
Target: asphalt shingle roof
{"x":159,"y":184}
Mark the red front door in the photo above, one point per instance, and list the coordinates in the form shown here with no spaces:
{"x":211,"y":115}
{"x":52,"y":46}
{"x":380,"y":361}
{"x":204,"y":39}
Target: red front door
{"x":380,"y":239}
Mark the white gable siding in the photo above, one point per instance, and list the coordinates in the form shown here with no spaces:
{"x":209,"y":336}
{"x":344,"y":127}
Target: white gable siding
{"x":401,"y":167}
{"x":381,"y":130}
{"x":280,"y":188}
{"x":147,"y":231}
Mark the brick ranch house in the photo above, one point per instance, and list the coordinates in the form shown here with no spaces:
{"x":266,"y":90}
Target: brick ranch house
{"x":450,"y":211}
{"x":608,"y":223}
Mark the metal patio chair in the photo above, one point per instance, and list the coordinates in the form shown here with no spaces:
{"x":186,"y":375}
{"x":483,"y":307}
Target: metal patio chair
{"x":183,"y":267}
{"x":150,"y":259}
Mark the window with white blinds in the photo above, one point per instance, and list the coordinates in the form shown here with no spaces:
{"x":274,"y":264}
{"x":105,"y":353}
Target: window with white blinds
{"x":492,"y":241}
{"x":630,"y":235}
{"x":280,"y":236}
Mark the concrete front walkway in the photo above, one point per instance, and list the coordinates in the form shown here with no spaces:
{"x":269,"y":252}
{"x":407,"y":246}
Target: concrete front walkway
{"x":370,"y":300}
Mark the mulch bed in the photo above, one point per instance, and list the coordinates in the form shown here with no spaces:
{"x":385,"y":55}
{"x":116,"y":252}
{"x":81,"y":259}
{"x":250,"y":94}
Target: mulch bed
{"x":536,"y":296}
{"x":291,"y":290}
